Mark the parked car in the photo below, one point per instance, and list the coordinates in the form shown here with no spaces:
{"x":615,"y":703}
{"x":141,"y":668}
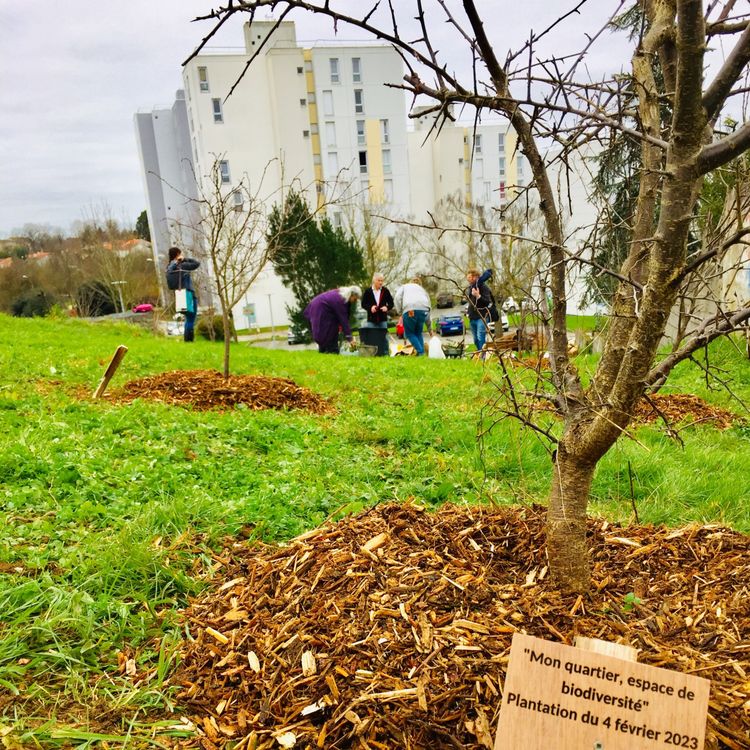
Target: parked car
{"x":503,"y":322}
{"x":144,"y":307}
{"x":445,"y":299}
{"x":360,"y":318}
{"x":503,"y":319}
{"x":450,"y":325}
{"x":175,"y":328}
{"x":296,"y":337}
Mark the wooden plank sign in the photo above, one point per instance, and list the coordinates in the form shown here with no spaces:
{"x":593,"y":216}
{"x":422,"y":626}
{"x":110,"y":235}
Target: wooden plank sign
{"x":565,"y":698}
{"x":109,"y":373}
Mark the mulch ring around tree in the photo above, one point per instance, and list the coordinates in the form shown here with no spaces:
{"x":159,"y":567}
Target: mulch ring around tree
{"x":683,"y":407}
{"x":208,"y":389}
{"x":676,"y":408}
{"x":392,"y":628}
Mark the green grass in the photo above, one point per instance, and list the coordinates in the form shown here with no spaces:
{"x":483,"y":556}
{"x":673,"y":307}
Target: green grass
{"x":575,"y":322}
{"x":111,"y":514}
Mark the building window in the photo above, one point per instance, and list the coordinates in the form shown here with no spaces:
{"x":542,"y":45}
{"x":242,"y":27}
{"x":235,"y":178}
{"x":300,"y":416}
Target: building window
{"x":479,"y":168}
{"x":303,"y":102}
{"x":391,"y":243}
{"x":314,"y":128}
{"x":477,"y":144}
{"x":224,"y":172}
{"x":359,"y":101}
{"x":300,"y":70}
{"x":218,"y":114}
{"x":317,"y":159}
{"x":385,"y":131}
{"x":521,"y":171}
{"x":203,"y":78}
{"x":305,"y":133}
{"x":311,"y":98}
{"x":357,"y":70}
{"x":328,"y":103}
{"x":331,"y":134}
{"x":388,"y":191}
{"x":502,"y":192}
{"x":363,"y":162}
{"x":337,"y":222}
{"x":332,"y":163}
{"x":386,"y":161}
{"x":501,"y":143}
{"x":360,"y":132}
{"x":334,"y":64}
{"x":237,"y":197}
{"x":502,"y":166}
{"x":487,"y":192}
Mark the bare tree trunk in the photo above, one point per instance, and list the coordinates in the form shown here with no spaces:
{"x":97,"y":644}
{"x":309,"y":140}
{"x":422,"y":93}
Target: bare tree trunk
{"x":567,"y":547}
{"x":227,"y":338}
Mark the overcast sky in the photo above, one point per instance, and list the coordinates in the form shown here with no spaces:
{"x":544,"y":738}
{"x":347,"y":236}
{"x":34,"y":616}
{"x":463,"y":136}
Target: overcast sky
{"x":74,"y":74}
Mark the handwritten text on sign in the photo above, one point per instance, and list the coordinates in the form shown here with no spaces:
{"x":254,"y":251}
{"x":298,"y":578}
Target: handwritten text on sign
{"x":567,"y":698}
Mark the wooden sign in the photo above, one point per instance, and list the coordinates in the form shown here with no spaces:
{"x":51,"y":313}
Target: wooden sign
{"x":565,"y":698}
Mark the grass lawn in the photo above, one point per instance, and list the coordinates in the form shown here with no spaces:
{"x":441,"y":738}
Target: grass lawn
{"x":111,"y":514}
{"x":575,"y":322}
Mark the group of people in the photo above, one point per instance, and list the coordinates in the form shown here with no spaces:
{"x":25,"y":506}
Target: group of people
{"x":329,"y":313}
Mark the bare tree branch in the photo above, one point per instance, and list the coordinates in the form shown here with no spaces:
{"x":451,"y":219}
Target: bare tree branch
{"x":719,"y":89}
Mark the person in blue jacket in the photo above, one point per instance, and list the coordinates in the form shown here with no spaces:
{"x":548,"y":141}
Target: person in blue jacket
{"x":179,"y":271}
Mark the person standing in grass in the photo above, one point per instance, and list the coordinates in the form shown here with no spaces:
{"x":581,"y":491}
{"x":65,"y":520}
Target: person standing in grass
{"x":328,"y":313}
{"x":378,"y":302}
{"x":413,"y":302}
{"x":179,"y":270}
{"x":479,"y":298}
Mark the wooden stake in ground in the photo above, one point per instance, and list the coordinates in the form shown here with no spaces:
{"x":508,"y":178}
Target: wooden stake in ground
{"x":111,"y":370}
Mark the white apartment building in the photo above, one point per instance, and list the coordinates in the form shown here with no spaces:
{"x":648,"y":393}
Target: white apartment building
{"x":323,"y":118}
{"x":319,"y":117}
{"x":163,"y":140}
{"x":482,"y":163}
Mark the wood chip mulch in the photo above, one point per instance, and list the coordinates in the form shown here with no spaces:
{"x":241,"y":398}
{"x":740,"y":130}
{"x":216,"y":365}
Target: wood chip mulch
{"x":392,"y":629}
{"x":680,"y":407}
{"x":208,"y":389}
{"x":676,"y":408}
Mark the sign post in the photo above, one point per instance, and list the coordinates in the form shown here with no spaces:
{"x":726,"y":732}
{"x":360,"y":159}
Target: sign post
{"x":567,"y":698}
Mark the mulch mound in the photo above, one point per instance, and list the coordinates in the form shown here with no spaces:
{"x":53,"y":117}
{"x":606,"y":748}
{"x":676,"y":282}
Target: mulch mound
{"x":208,"y":389}
{"x":392,"y":629}
{"x":675,"y":408}
{"x":679,"y":407}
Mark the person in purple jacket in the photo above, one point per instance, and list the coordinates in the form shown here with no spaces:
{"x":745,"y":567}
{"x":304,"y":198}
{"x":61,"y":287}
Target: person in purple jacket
{"x":329,"y":312}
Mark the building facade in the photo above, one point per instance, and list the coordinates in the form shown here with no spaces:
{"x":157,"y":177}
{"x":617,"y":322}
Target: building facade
{"x":321,"y":118}
{"x":163,"y":141}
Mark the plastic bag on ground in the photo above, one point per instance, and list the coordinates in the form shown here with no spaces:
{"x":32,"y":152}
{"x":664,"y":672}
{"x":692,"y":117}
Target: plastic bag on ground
{"x":435,"y":348}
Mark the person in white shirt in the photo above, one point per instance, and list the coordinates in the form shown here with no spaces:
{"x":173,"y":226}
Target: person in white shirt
{"x":413,"y":302}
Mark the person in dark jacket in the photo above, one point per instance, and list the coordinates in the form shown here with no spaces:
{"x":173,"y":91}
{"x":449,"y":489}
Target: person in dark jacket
{"x":329,"y":312}
{"x":179,"y":270}
{"x":378,"y":302}
{"x":479,"y":298}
